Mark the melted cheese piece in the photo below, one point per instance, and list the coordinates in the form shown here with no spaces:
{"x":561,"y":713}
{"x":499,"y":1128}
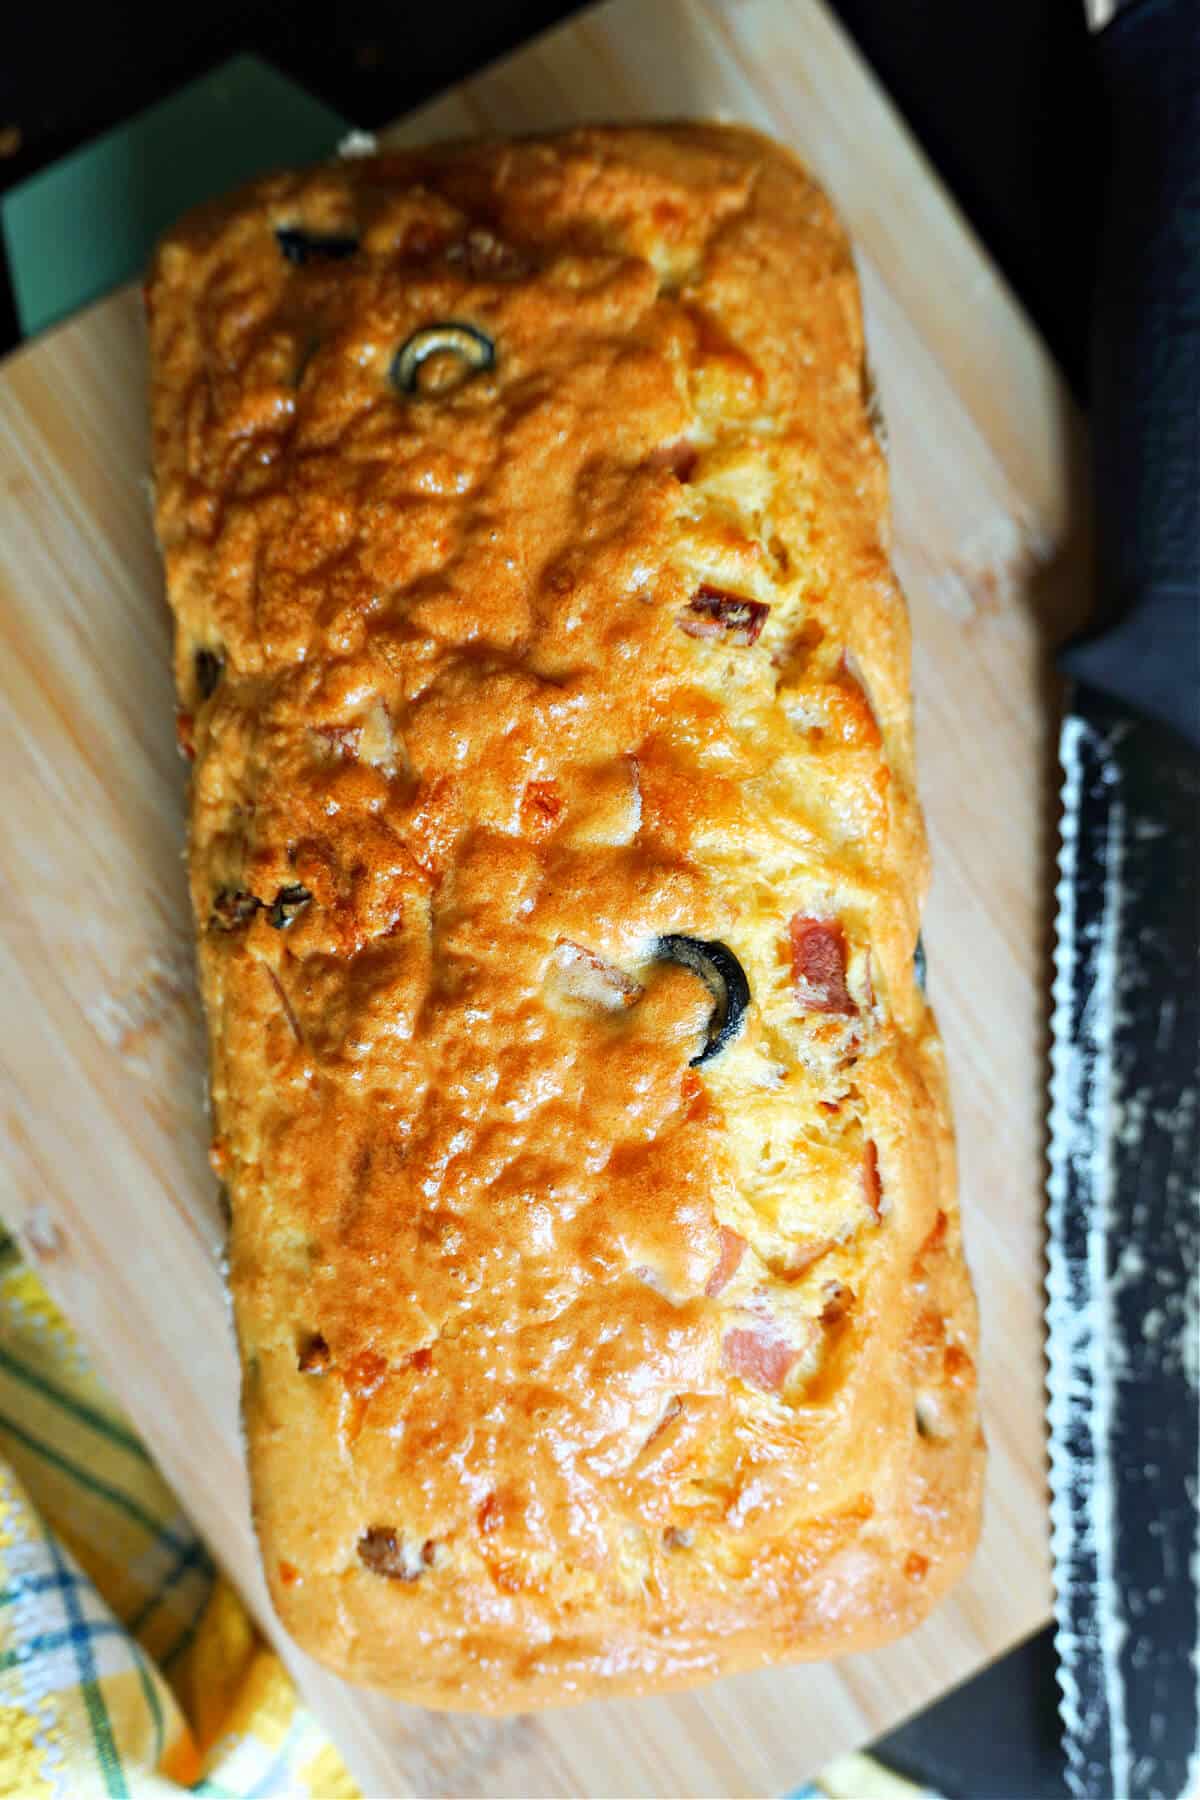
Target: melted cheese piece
{"x":557,"y":653}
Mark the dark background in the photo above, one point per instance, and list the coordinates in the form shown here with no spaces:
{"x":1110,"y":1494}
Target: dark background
{"x":1000,"y":94}
{"x":998,"y":91}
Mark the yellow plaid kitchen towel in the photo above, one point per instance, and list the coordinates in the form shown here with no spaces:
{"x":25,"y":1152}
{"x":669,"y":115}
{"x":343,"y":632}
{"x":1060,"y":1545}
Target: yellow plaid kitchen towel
{"x":127,"y":1665}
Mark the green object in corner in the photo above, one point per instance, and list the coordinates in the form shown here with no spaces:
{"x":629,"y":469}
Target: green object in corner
{"x":89,"y":222}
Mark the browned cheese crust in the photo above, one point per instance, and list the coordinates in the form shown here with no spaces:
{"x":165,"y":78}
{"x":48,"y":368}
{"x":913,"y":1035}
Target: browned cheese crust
{"x":571,"y":1366}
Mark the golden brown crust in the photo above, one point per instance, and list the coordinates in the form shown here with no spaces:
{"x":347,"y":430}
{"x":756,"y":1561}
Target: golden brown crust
{"x":570,"y":1367}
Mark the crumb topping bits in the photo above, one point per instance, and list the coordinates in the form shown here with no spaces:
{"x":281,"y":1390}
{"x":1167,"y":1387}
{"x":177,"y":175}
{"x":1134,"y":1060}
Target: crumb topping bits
{"x":872,"y":1186}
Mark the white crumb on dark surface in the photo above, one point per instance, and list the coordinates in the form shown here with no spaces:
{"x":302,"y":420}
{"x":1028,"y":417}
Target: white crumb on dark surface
{"x":1082,"y":1506}
{"x":357,"y":143}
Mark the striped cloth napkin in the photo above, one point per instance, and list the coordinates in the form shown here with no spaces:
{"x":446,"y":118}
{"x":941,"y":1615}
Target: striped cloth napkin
{"x":128,"y":1666}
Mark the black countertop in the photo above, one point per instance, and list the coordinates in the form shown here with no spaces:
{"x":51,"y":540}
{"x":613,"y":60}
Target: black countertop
{"x":1001,"y":97}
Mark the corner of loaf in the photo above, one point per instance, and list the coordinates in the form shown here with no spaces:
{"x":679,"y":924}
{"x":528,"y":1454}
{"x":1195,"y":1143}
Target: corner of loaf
{"x":557,"y":871}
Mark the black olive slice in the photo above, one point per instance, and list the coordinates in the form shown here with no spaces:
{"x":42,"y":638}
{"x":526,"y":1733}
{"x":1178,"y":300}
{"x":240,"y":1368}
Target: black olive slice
{"x":724,"y":977}
{"x":474,"y":348}
{"x":919,"y":968}
{"x":287,"y":903}
{"x":208,"y":672}
{"x":299,"y":246}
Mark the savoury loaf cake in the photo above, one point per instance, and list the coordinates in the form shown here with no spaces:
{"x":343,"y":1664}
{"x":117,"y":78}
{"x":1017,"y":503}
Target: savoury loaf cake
{"x":557,"y":872}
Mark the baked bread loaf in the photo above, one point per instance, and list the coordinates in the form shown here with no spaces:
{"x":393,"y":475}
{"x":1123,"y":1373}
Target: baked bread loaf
{"x":557,"y":872}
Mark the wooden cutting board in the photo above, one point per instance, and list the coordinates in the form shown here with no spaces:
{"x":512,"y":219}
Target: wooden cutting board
{"x":101,"y":1051}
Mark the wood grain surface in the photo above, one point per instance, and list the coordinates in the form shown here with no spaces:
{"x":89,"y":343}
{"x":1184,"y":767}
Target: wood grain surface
{"x":101,"y":1048}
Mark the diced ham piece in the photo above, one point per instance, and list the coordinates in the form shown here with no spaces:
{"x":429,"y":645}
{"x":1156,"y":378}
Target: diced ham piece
{"x":693,"y":1094}
{"x":819,"y":966}
{"x":731,"y":1251}
{"x":760,"y":1356}
{"x":802,"y":1256}
{"x":541,"y":808}
{"x":872,"y":1186}
{"x":712,"y":613}
{"x":185,"y":726}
